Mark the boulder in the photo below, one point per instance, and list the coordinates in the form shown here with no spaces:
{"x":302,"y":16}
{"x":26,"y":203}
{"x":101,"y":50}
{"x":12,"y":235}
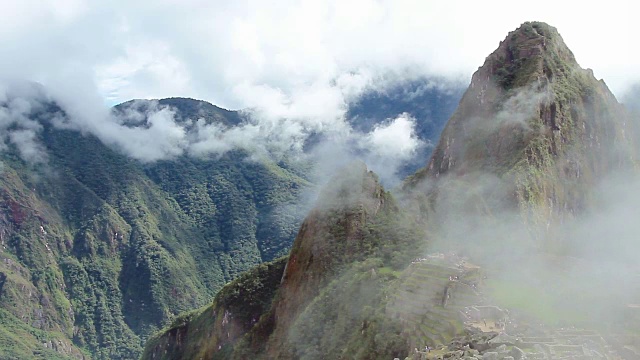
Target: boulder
{"x":517,"y":353}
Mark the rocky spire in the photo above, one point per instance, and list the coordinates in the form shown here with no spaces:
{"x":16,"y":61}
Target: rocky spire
{"x":541,"y":127}
{"x":530,"y":99}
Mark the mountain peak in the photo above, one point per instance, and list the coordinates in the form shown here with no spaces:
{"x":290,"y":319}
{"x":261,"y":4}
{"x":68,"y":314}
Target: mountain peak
{"x":533,"y":52}
{"x":529,"y":103}
{"x":536,"y":126}
{"x":185,"y":109}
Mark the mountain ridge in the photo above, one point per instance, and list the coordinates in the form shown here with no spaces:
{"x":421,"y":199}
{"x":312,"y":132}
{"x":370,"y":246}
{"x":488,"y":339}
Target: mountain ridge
{"x":532,"y":58}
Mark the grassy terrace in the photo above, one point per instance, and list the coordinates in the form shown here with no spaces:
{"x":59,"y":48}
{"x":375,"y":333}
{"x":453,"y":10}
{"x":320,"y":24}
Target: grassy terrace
{"x":419,"y":301}
{"x":534,"y":302}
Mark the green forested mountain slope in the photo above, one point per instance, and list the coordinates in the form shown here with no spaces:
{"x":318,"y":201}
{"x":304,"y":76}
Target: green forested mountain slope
{"x":98,"y":250}
{"x":215,"y":328}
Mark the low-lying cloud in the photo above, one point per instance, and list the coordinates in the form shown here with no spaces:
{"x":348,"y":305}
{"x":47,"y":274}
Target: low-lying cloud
{"x":17,"y":128}
{"x":631,"y":98}
{"x":149,"y":131}
{"x":574,"y":264}
{"x":397,"y":139}
{"x":245,"y":56}
{"x":391,"y":145}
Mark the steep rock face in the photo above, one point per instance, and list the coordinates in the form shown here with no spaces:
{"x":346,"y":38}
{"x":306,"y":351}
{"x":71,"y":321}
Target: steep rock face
{"x":542,"y":127}
{"x":212,"y":331}
{"x":530,"y":88}
{"x":342,"y":259}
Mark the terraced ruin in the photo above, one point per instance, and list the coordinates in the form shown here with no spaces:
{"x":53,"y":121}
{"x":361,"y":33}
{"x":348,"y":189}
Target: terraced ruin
{"x":446,"y":315}
{"x":431,"y":295}
{"x":558,"y":344}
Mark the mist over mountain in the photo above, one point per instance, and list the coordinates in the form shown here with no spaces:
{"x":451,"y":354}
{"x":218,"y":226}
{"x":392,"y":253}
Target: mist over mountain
{"x":632,"y":98}
{"x":514,"y":241}
{"x":527,"y":178}
{"x":392,"y":133}
{"x":99,"y":249}
{"x":359,"y":200}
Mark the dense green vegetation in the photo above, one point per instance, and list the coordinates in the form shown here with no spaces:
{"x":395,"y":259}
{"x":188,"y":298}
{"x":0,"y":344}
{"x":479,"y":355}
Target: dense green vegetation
{"x":235,"y":309}
{"x":348,"y":320}
{"x":101,"y":250}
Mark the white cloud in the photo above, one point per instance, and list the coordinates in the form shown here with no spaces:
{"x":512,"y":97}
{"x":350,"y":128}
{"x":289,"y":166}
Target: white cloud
{"x":389,"y":146}
{"x":28,"y":145}
{"x":161,"y":139}
{"x":208,"y":49}
{"x":295,"y":64}
{"x":16,"y":126}
{"x":146,"y":68}
{"x":396,"y":139}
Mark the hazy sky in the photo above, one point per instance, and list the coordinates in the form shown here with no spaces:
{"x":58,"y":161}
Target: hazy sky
{"x":293,"y":55}
{"x":297,"y":64}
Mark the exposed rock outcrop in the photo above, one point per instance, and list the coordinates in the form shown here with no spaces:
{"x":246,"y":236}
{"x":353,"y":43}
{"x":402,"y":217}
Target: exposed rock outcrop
{"x":530,"y":89}
{"x":212,"y":331}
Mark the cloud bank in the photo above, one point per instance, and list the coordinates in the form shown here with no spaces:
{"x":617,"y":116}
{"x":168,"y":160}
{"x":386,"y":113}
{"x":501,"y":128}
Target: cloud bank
{"x":17,"y":128}
{"x":228,"y":53}
{"x":149,"y":131}
{"x":295,"y":64}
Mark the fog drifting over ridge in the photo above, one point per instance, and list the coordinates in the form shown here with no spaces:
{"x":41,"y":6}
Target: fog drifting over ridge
{"x":562,"y":264}
{"x":149,"y":131}
{"x":227,"y":53}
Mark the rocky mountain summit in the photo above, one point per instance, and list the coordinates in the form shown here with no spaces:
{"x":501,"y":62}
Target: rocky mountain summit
{"x":534,"y":133}
{"x":530,"y":98}
{"x":348,"y":226}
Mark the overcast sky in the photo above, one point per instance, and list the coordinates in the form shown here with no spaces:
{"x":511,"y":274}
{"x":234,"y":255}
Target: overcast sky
{"x":247,"y":53}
